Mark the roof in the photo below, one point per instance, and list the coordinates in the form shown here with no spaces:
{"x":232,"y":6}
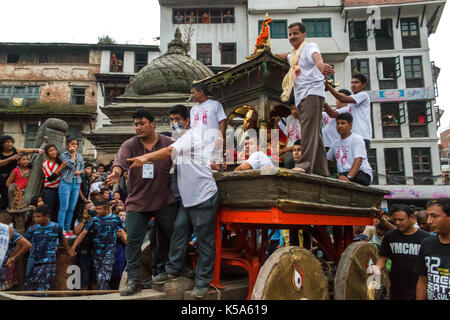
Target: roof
{"x":47,"y":108}
{"x":77,"y":45}
{"x":354,"y":3}
{"x":178,"y":3}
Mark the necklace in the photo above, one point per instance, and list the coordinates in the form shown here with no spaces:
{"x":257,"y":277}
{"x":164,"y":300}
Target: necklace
{"x":25,"y":175}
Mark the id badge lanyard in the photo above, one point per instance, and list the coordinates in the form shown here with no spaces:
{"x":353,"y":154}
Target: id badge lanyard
{"x":148,"y":169}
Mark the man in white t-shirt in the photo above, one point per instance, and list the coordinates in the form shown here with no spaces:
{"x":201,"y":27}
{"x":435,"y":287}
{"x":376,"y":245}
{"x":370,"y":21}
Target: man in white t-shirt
{"x":208,"y":119}
{"x":359,"y":107}
{"x":199,"y":198}
{"x":257,"y":159}
{"x":350,"y":153}
{"x":309,"y":94}
{"x":329,"y":131}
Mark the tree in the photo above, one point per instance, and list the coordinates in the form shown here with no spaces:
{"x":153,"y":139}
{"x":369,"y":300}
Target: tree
{"x":187,"y":37}
{"x":106,"y":39}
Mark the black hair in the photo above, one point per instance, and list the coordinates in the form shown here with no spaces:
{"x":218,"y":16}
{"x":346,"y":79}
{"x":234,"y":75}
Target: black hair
{"x":200,"y":86}
{"x":102,"y":203}
{"x":34,"y":200}
{"x":346,"y":92}
{"x":361,"y":77}
{"x":401,"y":207}
{"x":345,"y":116}
{"x":3,"y":139}
{"x":88,"y":165}
{"x":143,"y":113}
{"x":298,"y":142}
{"x":70,"y":139}
{"x":45,"y":210}
{"x":300,"y":26}
{"x":58,"y":159}
{"x":442,"y":202}
{"x":103,"y":190}
{"x":5,"y":217}
{"x":180,"y":109}
{"x":380,"y":227}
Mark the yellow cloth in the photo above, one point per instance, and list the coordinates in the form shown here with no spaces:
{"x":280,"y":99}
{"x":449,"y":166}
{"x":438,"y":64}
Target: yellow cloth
{"x":288,"y":81}
{"x":17,"y":102}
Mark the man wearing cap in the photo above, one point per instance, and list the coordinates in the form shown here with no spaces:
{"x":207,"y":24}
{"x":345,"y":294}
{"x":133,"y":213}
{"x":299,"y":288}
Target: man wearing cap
{"x":149,"y":194}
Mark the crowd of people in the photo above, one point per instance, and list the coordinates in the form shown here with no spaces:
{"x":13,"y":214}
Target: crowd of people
{"x":162,"y":188}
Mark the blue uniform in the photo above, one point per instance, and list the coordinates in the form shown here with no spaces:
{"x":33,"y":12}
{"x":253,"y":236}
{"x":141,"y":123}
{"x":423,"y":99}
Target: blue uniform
{"x":104,"y":231}
{"x":41,"y":268}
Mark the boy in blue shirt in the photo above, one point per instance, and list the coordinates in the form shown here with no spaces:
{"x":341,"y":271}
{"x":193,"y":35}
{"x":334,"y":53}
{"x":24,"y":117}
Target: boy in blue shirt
{"x":44,"y":237}
{"x":105,"y":228}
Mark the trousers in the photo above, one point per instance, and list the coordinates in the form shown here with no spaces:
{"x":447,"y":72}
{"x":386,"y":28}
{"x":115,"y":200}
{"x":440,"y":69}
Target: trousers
{"x":314,"y":158}
{"x":201,"y":218}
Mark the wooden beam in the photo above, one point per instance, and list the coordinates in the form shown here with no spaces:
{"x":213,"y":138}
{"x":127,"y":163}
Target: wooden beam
{"x":423,"y":15}
{"x":398,"y":17}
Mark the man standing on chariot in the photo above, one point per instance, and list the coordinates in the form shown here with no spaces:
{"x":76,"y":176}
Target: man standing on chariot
{"x":306,"y":77}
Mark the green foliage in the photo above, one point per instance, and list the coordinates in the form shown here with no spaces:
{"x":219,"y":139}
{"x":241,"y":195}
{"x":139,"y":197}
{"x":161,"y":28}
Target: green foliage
{"x":106,"y":39}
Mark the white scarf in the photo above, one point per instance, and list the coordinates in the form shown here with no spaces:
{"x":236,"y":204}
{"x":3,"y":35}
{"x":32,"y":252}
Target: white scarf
{"x":288,"y":81}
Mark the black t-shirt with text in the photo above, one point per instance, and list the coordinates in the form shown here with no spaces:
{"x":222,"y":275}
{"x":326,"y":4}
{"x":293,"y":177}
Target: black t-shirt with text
{"x":403,"y":251}
{"x":434,"y":262}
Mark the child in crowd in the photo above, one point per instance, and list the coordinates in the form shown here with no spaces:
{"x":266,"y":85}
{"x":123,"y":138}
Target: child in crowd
{"x":44,"y":237}
{"x":106,"y":227}
{"x":350,"y":153}
{"x":106,"y":193}
{"x":17,"y":247}
{"x":18,"y":178}
{"x":52,"y":169}
{"x":297,"y":155}
{"x":116,"y":200}
{"x":37,"y":201}
{"x":85,"y":248}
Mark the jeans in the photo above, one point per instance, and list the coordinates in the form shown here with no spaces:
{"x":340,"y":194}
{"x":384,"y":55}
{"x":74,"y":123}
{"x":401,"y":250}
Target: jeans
{"x":51,"y":199}
{"x":202,"y":218}
{"x":136,"y":224}
{"x":68,"y":197}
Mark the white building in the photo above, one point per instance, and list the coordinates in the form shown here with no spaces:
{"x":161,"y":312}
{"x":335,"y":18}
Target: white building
{"x":114,"y":77}
{"x":393,"y":54}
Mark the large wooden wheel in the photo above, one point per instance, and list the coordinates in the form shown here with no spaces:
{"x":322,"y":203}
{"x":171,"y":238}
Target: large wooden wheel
{"x":291,"y":273}
{"x":353,"y":280}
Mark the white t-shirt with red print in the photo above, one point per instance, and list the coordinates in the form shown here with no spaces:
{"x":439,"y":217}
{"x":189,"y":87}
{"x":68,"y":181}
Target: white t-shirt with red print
{"x":293,"y":129}
{"x":205,"y":118}
{"x":329,"y":131}
{"x":360,"y":111}
{"x":345,"y":151}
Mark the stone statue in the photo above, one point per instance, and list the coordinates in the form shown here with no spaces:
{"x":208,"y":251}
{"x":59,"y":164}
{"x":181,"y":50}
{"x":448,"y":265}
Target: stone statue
{"x":52,"y":131}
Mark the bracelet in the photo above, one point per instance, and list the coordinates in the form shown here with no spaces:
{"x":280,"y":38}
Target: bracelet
{"x":13,"y":259}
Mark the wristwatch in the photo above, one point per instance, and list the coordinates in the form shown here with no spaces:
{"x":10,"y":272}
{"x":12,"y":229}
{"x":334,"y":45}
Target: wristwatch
{"x":349,"y":176}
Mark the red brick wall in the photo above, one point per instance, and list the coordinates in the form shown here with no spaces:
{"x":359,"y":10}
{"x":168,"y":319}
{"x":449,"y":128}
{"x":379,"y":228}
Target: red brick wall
{"x":353,"y":3}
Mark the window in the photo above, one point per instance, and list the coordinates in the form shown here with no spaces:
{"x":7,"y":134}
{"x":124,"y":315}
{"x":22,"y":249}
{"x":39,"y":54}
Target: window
{"x":395,"y":170}
{"x":12,"y":58}
{"x":418,"y":120}
{"x":141,"y":60}
{"x":372,"y":158}
{"x":116,"y":62}
{"x":413,"y":72}
{"x":317,"y":27}
{"x":77,"y":96}
{"x":26,"y":95}
{"x":390,"y":119}
{"x":228,"y":53}
{"x":388,"y":71}
{"x":206,"y":15}
{"x":410,"y":33}
{"x":204,"y":53}
{"x":421,"y":159}
{"x":361,"y":66}
{"x":358,"y":35}
{"x":30,"y":135}
{"x":278,"y":29}
{"x":384,"y":39}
